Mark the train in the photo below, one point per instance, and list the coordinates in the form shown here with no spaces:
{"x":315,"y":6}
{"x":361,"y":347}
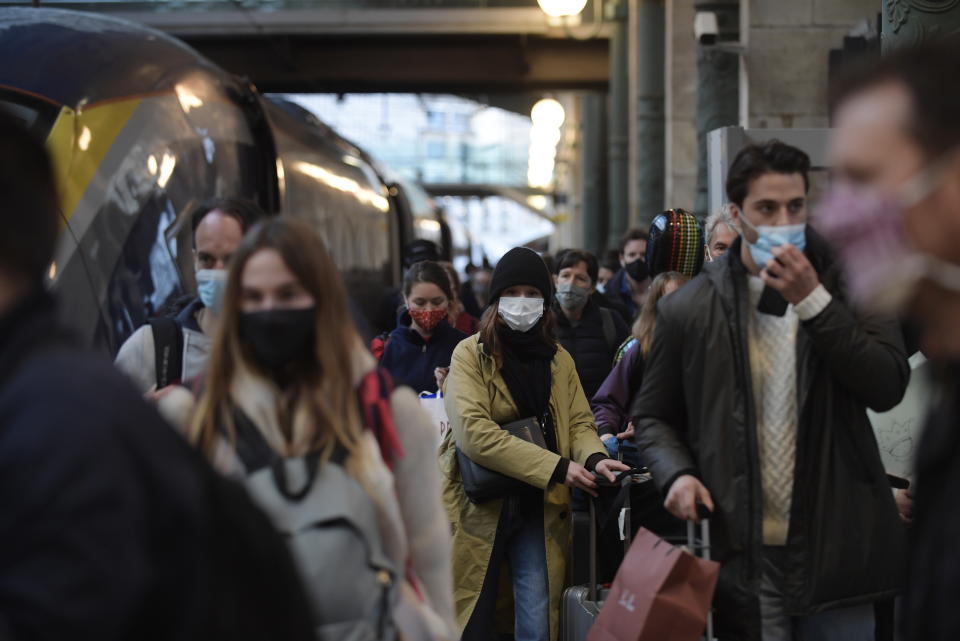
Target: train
{"x":141,"y":129}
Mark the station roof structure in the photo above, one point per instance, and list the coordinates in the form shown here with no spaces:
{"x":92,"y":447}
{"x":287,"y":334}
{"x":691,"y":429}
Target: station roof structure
{"x":342,"y":46}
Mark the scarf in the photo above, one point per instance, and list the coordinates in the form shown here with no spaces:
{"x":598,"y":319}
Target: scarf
{"x":526,"y":363}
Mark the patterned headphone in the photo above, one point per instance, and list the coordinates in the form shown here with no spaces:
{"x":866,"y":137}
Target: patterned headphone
{"x":676,"y":243}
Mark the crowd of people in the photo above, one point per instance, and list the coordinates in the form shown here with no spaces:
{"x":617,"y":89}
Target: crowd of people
{"x":251,"y":468}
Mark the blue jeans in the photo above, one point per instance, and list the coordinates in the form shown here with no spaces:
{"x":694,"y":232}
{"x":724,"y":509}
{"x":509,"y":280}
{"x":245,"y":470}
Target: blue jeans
{"x":527,"y":557}
{"x":519,"y":542}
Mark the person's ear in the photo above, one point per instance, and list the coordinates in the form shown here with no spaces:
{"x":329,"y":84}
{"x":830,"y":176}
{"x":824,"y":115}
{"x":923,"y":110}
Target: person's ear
{"x":556,"y":277}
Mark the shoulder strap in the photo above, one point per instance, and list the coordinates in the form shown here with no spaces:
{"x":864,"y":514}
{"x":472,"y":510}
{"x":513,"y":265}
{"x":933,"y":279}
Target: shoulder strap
{"x":609,"y":330}
{"x":168,"y":350}
{"x":251,"y":447}
{"x":374,"y":398}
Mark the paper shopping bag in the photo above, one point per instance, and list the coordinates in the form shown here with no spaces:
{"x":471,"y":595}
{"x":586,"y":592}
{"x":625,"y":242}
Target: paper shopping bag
{"x":660,"y":593}
{"x":432,"y":403}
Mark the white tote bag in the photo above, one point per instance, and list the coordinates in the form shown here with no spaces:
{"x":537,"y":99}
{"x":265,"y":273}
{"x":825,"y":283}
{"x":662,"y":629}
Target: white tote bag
{"x":432,"y":403}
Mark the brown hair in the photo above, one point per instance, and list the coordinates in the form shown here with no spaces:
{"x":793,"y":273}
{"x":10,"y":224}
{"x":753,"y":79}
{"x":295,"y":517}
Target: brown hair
{"x":647,"y":320}
{"x":427,"y":271}
{"x":324,"y":392}
{"x":491,"y":320}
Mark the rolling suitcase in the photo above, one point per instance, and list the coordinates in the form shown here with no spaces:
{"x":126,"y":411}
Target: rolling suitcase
{"x":701,"y":547}
{"x":581,"y":603}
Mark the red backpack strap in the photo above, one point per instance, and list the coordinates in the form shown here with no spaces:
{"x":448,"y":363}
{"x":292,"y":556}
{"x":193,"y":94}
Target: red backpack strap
{"x":375,"y":391}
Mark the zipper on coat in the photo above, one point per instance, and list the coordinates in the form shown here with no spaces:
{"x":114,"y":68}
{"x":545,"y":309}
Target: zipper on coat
{"x":383,"y":578}
{"x":750,"y":434}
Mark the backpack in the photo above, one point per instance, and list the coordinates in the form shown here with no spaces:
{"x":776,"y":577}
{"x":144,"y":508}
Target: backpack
{"x":331,"y":525}
{"x":254,"y":589}
{"x":167,"y":350}
{"x":609,"y":329}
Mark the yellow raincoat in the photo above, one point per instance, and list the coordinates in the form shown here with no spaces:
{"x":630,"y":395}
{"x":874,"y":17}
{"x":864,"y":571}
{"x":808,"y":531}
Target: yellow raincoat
{"x":478,"y":402}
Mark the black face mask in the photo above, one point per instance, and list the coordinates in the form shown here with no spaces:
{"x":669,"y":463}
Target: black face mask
{"x":279,"y":338}
{"x":637,"y":270}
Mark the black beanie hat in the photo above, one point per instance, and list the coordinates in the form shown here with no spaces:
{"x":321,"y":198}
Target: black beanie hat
{"x":521,"y":266}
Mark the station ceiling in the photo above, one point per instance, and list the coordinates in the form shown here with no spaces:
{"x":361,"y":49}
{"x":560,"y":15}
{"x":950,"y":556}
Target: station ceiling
{"x":342,"y":46}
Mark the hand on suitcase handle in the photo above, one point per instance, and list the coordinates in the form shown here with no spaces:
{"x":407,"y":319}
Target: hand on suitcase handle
{"x":683,"y":498}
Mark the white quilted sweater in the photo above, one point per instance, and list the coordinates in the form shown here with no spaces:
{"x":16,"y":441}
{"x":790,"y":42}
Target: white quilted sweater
{"x":773,"y":368}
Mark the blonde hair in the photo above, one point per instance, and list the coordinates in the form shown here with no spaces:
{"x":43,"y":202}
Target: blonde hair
{"x":647,"y":320}
{"x":324,"y":391}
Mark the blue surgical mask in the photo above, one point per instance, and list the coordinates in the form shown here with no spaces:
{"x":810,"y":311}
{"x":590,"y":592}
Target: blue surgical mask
{"x":211,"y":284}
{"x":769,"y":236}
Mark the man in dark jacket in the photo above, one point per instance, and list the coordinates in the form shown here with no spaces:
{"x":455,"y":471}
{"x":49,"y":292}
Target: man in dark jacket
{"x":628,"y":287}
{"x":589,"y":332}
{"x":753,"y":403}
{"x":896,"y":145}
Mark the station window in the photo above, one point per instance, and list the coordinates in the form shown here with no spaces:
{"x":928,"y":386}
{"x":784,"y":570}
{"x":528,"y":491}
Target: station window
{"x":436,"y":149}
{"x":436,"y":119}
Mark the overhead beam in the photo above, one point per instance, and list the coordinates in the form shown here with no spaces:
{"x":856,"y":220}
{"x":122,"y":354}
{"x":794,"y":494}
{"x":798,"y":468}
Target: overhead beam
{"x":358,"y":21}
{"x":436,"y":63}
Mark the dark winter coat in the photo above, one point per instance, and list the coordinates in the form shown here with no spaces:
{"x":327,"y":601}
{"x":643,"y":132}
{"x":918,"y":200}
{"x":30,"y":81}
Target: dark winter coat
{"x":411,"y":360}
{"x":930,"y":609}
{"x":695,"y":414}
{"x":619,"y":297}
{"x":102,"y":522}
{"x":588,"y":345}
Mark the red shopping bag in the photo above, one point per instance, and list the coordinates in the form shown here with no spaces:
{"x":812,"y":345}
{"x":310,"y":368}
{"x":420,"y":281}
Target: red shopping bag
{"x":661,"y":593}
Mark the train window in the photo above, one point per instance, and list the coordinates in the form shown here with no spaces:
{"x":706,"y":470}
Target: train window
{"x":35,"y":114}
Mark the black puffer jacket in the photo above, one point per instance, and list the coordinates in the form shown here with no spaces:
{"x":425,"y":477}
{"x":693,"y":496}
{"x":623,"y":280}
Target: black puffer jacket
{"x":588,"y":344}
{"x":695,"y":414}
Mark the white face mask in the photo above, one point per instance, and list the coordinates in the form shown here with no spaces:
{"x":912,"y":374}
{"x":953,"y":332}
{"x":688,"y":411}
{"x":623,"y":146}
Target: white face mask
{"x":520,"y":314}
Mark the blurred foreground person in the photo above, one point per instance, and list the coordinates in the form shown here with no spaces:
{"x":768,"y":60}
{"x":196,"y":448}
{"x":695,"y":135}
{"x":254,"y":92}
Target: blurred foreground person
{"x":174,"y":349}
{"x":296,"y":407}
{"x":895,"y":210}
{"x":513,"y":370}
{"x":754,"y":403}
{"x":109,"y":528}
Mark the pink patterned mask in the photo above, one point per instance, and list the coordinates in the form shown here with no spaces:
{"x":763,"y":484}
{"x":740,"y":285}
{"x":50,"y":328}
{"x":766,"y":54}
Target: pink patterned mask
{"x":866,"y":226}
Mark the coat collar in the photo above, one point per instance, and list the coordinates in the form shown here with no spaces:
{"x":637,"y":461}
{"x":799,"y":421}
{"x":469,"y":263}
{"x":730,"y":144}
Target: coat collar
{"x":492,"y":372}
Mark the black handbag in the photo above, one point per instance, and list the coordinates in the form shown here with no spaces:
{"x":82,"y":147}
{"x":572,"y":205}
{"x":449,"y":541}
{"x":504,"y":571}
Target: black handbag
{"x":482,"y":484}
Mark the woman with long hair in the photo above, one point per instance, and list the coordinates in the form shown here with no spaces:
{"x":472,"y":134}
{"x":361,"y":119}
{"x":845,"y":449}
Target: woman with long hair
{"x":418,"y":351}
{"x":611,"y":403}
{"x":513,"y":370}
{"x":289,"y":378}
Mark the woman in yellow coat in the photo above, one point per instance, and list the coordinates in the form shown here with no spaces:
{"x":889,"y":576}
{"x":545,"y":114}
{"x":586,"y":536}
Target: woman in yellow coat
{"x":514,"y":369}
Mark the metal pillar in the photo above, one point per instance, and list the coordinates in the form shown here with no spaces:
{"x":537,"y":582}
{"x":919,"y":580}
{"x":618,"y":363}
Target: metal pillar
{"x":592,"y":164}
{"x":618,"y":132}
{"x":907,"y":22}
{"x":648,"y":18}
{"x":717,"y":88}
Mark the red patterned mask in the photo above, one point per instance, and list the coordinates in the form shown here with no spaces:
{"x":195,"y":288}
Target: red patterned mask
{"x":428,"y":319}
